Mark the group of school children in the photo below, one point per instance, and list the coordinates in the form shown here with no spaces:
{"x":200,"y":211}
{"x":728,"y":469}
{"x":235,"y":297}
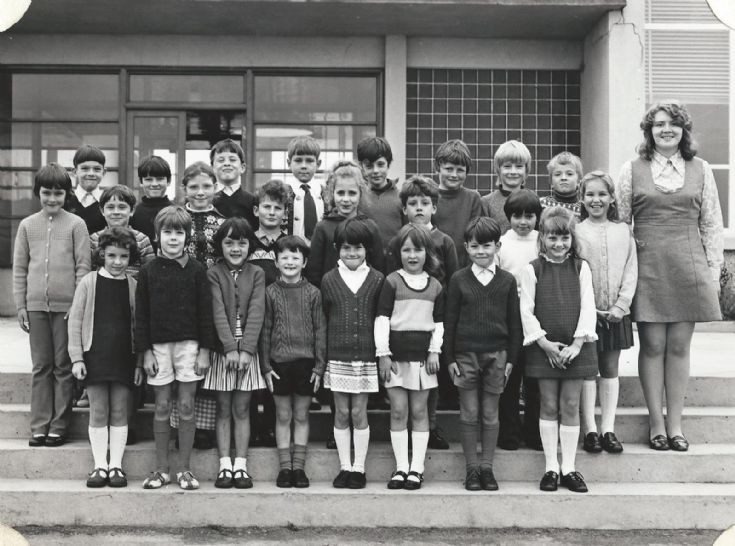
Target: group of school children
{"x":355,"y":286}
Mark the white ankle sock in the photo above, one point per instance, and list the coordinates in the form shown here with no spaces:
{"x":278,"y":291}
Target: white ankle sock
{"x":609,"y":389}
{"x":399,"y":441}
{"x":342,"y":439}
{"x":362,"y":439}
{"x":241,"y":463}
{"x":98,"y":440}
{"x":118,"y":439}
{"x":419,"y":440}
{"x":225,"y":463}
{"x":569,"y":436}
{"x":549,"y":431}
{"x":589,"y":393}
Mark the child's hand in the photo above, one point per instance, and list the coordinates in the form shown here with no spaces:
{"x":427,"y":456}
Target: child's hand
{"x":150,"y":364}
{"x":246,"y":360}
{"x":432,"y":363}
{"x":602,"y":314}
{"x":615,"y":314}
{"x":385,"y":365}
{"x":23,"y":320}
{"x":269,"y":379}
{"x":317,"y":380}
{"x":232,"y":360}
{"x":570,"y":352}
{"x":138,"y":377}
{"x":508,"y":370}
{"x":202,"y":363}
{"x":553,"y":351}
{"x":453,"y":370}
{"x":79,"y":370}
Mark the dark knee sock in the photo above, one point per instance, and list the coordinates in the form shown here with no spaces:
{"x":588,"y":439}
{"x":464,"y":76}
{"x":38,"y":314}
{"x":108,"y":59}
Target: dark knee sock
{"x":468,"y":438}
{"x":162,"y":435}
{"x":489,"y":440}
{"x":284,"y":458}
{"x":299,"y":457}
{"x":187,"y":428}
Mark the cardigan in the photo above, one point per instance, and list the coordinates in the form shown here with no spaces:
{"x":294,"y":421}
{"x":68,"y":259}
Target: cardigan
{"x":81,"y":316}
{"x":294,"y":327}
{"x":480,"y":319}
{"x":454,"y":211}
{"x":244,"y":297}
{"x":350,"y":316}
{"x":50,"y":257}
{"x":384,"y":206}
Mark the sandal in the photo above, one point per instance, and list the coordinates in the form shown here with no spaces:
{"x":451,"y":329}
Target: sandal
{"x":187,"y":480}
{"x":678,"y":443}
{"x":397,"y":480}
{"x":97,"y":478}
{"x":242,"y":480}
{"x":414,"y":484}
{"x":156,"y":480}
{"x":117,"y":478}
{"x":224,"y":479}
{"x":659,"y":443}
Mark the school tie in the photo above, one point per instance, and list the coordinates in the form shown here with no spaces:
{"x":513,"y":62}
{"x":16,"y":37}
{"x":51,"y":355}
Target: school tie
{"x":309,"y":211}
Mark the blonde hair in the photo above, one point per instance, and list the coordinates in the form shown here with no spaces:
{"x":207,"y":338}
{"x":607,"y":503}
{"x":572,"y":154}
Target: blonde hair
{"x":602,"y":176}
{"x":565,"y":158}
{"x":343,"y":170}
{"x":555,"y":221}
{"x":515,"y":151}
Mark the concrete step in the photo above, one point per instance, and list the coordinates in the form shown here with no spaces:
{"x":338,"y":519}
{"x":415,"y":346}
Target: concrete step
{"x":15,"y":388}
{"x":701,"y":424}
{"x":437,"y":504}
{"x":711,"y":463}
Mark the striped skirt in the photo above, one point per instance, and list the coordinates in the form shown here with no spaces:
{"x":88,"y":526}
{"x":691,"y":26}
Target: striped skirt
{"x":351,"y":377}
{"x":219,"y":378}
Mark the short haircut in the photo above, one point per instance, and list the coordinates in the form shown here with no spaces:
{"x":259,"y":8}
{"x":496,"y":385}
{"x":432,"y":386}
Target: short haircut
{"x":234,"y":228}
{"x":602,"y":176}
{"x":419,"y":186}
{"x":522,"y":201}
{"x":225,"y":146}
{"x":483,"y":230}
{"x":120,"y":192}
{"x":372,"y":148}
{"x":275,"y":190}
{"x":195,"y":169}
{"x":292,"y":243}
{"x":343,"y":170}
{"x":120,"y":237}
{"x":514,"y":151}
{"x":52,"y":177}
{"x":453,"y":151}
{"x":154,"y":166}
{"x":87,"y":152}
{"x":555,"y":221}
{"x":172,"y":217}
{"x":303,"y":145}
{"x":354,"y":231}
{"x":565,"y":158}
{"x":421,"y":238}
{"x":680,"y":117}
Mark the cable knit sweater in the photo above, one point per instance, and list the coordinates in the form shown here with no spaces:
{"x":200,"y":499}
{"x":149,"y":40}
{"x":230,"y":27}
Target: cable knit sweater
{"x":294,"y":326}
{"x":50,"y":257}
{"x":453,"y":212}
{"x":350,"y":316}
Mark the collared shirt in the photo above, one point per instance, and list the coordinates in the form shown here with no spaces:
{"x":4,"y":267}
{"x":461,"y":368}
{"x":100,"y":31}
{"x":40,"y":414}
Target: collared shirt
{"x":267,"y":239}
{"x":315,"y":188}
{"x":353,"y":279}
{"x":229,"y":190}
{"x":668,"y":172}
{"x":181,"y":260}
{"x":483,"y":274}
{"x":88,"y":198}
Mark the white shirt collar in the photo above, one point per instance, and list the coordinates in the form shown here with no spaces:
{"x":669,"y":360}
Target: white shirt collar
{"x":479,"y":271}
{"x":661,"y":162}
{"x":229,"y":190}
{"x":81,"y":194}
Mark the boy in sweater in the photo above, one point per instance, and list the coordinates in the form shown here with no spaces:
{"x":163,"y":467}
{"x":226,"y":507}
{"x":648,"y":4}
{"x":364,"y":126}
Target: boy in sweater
{"x":482,"y":338}
{"x":457,"y":204}
{"x":154,"y":174}
{"x":512,"y":164}
{"x":174,"y":331}
{"x":228,"y":161}
{"x":293,"y":345}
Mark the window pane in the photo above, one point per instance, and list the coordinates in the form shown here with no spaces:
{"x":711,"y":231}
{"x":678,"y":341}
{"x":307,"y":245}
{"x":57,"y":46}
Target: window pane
{"x":15,"y":145}
{"x":16,"y":202}
{"x":59,"y":141}
{"x":157,"y":135}
{"x":185,"y":88}
{"x":65,"y":96}
{"x":320,"y":99}
{"x":262,"y":178}
{"x":710,"y":123}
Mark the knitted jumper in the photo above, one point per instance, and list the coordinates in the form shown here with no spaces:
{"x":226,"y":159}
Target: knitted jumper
{"x":350,"y":317}
{"x":173,"y":303}
{"x":294,"y":327}
{"x":204,"y":225}
{"x":384,"y":206}
{"x":572,"y":204}
{"x":453,"y":212}
{"x":241,"y":203}
{"x":492,"y":206}
{"x":145,"y":213}
{"x":50,"y":257}
{"x":481,"y":319}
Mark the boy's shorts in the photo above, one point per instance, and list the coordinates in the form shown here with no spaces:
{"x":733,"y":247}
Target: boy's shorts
{"x":294,"y":377}
{"x":481,"y":369}
{"x":176,"y":361}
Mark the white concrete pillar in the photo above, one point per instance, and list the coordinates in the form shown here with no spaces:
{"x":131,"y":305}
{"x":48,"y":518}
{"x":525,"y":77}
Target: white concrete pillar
{"x":394,"y":123}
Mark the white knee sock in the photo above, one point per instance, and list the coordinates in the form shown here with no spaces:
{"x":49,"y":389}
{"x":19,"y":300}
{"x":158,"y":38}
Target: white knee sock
{"x":589,"y":393}
{"x":118,"y":439}
{"x":569,"y":436}
{"x":399,"y":441}
{"x":609,"y":389}
{"x":98,"y":441}
{"x":362,"y":439}
{"x":419,"y":440}
{"x":549,"y":431}
{"x":342,"y":439}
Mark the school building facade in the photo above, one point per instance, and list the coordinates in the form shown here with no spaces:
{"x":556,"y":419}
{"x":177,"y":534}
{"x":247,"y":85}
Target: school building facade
{"x":172,"y":77}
